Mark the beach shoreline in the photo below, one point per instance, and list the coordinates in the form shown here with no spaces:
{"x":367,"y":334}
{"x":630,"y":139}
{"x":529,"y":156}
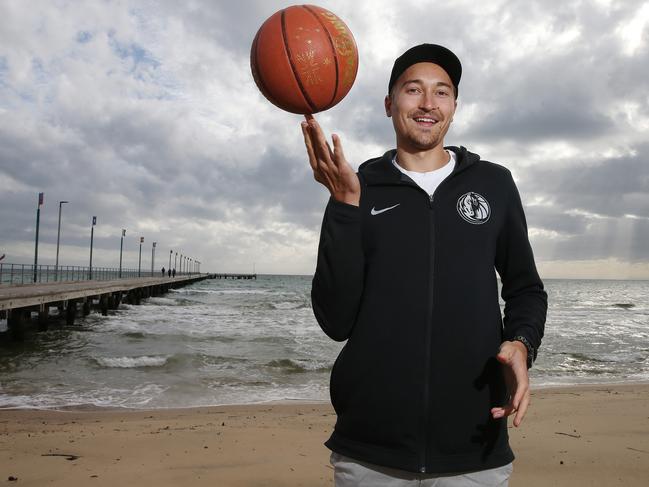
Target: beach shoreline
{"x":298,"y":401}
{"x":573,"y":435}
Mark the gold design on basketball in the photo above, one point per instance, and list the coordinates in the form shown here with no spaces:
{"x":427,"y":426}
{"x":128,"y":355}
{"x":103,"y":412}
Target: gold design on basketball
{"x":308,"y":67}
{"x":344,"y":46}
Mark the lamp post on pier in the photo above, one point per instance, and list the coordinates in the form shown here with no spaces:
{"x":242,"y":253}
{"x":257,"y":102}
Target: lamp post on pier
{"x":139,"y":262}
{"x":92,"y":237}
{"x":153,"y":257}
{"x":38,"y":224}
{"x":121,"y":248}
{"x":175,"y":260}
{"x":169,"y":268}
{"x":58,"y":241}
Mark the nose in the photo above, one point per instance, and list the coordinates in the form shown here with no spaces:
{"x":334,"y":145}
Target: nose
{"x":428,"y":101}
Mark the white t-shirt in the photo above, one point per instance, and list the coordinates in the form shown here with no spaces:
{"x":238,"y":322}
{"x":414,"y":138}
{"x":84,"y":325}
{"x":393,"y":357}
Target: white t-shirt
{"x":429,"y":181}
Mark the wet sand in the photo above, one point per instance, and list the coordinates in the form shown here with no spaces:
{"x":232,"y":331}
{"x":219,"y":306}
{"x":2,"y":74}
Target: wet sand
{"x":575,"y":436}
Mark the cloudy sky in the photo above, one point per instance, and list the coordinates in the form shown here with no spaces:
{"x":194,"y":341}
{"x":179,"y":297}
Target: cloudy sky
{"x":145,"y":114}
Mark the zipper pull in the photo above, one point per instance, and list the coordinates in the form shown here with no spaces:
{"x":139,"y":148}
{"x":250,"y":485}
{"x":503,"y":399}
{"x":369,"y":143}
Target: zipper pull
{"x":431,"y":198}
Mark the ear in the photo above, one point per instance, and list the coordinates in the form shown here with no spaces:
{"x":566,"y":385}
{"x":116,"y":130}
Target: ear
{"x":388,"y":105}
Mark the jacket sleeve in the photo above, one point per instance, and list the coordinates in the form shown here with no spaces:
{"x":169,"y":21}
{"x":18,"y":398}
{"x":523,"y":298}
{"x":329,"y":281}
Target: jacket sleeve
{"x":338,"y":280}
{"x":525,"y":299}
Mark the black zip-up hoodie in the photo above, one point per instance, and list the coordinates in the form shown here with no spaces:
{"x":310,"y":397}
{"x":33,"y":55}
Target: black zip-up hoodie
{"x":410,"y":282}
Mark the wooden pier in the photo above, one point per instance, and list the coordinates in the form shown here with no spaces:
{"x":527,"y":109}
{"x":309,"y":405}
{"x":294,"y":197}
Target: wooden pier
{"x":234,"y":276}
{"x":17,"y":303}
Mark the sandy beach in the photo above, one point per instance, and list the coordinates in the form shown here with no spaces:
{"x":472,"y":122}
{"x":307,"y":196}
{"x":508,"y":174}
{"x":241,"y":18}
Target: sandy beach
{"x":574,"y":436}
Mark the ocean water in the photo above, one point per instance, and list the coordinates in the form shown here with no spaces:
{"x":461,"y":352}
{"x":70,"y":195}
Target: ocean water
{"x":246,"y":341}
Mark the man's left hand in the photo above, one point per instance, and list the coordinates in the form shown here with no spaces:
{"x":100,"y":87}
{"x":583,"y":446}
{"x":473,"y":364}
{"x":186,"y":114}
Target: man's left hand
{"x":513,"y":355}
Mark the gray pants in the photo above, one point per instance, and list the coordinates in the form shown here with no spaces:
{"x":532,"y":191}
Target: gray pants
{"x":353,"y":473}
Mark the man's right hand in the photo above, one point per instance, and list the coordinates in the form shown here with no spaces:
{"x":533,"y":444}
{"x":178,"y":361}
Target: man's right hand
{"x":330,"y":168}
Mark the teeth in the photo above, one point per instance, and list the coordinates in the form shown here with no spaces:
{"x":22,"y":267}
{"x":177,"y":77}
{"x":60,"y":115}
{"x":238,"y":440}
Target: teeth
{"x":429,"y":120}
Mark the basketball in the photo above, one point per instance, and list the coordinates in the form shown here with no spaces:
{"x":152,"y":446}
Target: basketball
{"x":304,"y":59}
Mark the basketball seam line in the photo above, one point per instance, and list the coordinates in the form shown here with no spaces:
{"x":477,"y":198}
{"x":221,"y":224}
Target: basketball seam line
{"x":290,"y":57}
{"x":333,"y":50}
{"x":258,"y":77}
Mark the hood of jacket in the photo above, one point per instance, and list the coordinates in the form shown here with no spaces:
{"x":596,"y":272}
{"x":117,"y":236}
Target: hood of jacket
{"x":380,"y":170}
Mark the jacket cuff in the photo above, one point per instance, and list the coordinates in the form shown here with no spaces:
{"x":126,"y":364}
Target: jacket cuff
{"x":343,"y":212}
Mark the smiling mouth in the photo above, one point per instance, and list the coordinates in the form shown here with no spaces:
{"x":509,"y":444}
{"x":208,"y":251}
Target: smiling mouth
{"x":425,"y":121}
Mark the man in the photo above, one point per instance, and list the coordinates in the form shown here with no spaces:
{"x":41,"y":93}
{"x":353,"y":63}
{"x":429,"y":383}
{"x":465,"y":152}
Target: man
{"x":406,"y":273}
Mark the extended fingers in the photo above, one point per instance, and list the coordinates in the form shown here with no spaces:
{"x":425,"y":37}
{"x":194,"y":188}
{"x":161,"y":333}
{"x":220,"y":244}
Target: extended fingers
{"x":338,"y":154}
{"x":309,"y":146}
{"x":517,"y":381}
{"x":522,"y":409}
{"x":322,"y":150}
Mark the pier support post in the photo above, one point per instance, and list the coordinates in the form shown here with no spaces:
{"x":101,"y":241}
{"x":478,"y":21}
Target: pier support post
{"x":86,"y":305}
{"x":15,"y":319}
{"x":71,"y":312}
{"x":103,"y":304}
{"x":43,"y":315}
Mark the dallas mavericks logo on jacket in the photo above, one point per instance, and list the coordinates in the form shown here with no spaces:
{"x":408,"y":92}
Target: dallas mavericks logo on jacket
{"x":474,"y":208}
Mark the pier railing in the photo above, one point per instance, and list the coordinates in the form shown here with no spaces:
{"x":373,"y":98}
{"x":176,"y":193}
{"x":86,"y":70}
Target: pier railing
{"x":11,"y":274}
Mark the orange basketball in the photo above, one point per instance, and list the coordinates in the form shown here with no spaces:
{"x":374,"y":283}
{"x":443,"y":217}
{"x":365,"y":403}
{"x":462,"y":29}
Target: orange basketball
{"x":304,"y":59}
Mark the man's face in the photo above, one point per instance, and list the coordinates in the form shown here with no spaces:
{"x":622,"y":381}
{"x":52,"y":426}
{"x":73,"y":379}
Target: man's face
{"x":422,"y":105}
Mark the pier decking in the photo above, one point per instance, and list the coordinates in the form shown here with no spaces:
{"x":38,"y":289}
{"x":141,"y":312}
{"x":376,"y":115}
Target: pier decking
{"x":18,"y":302}
{"x":234,"y":276}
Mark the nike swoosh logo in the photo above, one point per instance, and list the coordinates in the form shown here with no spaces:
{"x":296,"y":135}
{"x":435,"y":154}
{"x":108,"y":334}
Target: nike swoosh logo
{"x":376,"y":212}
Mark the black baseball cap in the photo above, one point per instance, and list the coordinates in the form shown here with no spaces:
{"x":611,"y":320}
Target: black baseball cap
{"x":428,"y":53}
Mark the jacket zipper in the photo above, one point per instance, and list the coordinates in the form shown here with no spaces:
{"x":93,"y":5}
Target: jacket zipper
{"x":431,"y":200}
{"x":422,"y":465}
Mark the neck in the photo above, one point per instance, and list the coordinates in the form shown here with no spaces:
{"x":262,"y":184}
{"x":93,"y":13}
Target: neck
{"x":422,"y":161}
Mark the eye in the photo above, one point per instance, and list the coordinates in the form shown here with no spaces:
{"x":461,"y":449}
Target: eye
{"x":442,"y":93}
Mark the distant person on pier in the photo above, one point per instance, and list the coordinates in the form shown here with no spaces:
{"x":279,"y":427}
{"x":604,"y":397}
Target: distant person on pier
{"x":173,"y":272}
{"x":163,"y":272}
{"x":169,"y":272}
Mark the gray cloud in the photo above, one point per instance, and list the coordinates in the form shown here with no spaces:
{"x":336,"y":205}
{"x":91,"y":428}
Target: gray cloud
{"x":146,"y":116}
